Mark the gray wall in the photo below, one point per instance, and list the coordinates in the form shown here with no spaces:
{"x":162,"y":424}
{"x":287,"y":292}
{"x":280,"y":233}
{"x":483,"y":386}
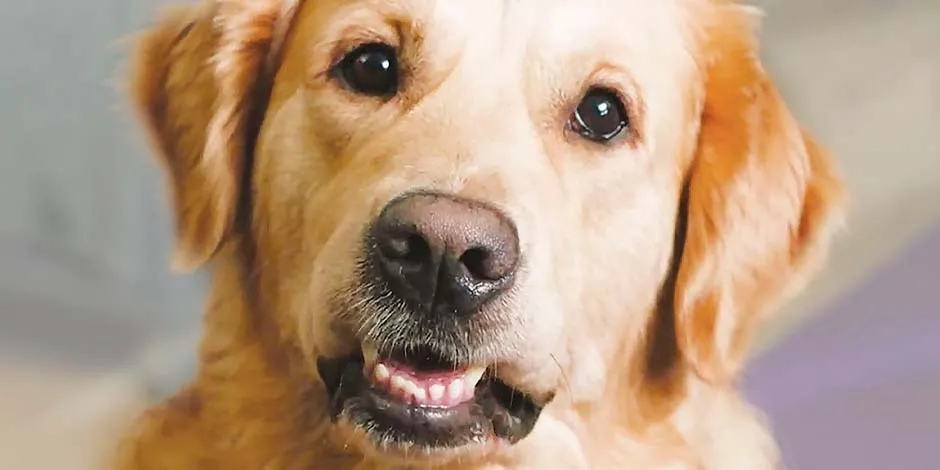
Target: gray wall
{"x":76,"y":184}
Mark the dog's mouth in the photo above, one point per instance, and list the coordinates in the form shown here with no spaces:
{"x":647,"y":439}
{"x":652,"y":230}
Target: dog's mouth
{"x":420,"y":401}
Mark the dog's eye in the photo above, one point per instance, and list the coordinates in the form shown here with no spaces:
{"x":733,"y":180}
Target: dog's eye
{"x":370,"y":69}
{"x":600,"y":116}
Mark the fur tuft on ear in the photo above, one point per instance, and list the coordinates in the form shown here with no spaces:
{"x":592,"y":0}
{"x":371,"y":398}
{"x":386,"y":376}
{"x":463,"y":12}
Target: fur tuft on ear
{"x":194,"y":78}
{"x":760,"y":205}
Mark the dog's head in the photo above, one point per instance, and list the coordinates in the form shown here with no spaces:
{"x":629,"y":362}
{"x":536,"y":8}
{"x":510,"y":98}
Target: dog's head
{"x":460,"y":210}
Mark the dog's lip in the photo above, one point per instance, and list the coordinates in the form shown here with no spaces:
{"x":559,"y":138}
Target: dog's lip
{"x":495,"y":411}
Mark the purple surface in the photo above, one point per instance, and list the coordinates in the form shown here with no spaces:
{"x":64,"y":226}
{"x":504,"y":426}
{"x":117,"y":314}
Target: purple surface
{"x":858,"y":387}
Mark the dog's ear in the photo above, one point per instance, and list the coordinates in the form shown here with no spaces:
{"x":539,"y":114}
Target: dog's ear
{"x":194,"y":76}
{"x":758,"y":209}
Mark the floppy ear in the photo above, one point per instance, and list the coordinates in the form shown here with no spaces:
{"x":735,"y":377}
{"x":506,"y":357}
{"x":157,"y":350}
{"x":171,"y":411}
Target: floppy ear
{"x":758,"y":210}
{"x":193,"y":81}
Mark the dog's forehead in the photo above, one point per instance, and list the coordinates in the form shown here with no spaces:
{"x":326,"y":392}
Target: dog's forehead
{"x":510,"y":19}
{"x":546,"y":29}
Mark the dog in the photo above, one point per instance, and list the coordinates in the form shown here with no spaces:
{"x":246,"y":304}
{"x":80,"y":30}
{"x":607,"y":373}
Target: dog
{"x":499,"y":234}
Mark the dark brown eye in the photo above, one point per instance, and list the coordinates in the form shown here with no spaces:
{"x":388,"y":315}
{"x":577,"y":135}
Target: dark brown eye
{"x":600,"y":116}
{"x":370,"y":69}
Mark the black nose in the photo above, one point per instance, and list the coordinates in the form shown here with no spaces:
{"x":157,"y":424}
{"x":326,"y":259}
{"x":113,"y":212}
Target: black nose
{"x":447,"y":254}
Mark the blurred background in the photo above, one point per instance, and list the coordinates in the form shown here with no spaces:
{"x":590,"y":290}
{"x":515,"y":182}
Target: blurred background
{"x":93,"y":324}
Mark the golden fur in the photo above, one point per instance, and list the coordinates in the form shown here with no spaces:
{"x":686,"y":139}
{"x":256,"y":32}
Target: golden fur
{"x":649,"y":265}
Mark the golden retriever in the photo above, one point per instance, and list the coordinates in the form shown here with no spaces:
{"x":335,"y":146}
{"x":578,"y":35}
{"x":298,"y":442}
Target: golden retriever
{"x":497,"y":234}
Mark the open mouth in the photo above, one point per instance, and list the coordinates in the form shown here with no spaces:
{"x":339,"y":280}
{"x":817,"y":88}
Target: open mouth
{"x":419,"y":400}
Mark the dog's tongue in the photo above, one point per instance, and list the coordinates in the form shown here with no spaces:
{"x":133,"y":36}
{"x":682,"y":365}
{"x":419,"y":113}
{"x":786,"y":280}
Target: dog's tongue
{"x":439,"y":388}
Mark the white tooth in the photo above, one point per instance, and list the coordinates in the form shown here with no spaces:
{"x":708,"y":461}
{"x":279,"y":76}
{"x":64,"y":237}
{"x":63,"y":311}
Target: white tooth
{"x":436,"y":392}
{"x":400,"y":385}
{"x":455,"y":390}
{"x":420,"y":395}
{"x":473,"y":376}
{"x":410,"y":389}
{"x":369,"y":354}
{"x":381,"y":373}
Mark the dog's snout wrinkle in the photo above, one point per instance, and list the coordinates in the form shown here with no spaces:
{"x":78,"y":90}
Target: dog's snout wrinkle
{"x":446,"y":253}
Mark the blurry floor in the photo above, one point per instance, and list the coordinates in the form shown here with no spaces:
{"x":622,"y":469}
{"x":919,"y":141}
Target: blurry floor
{"x":73,"y":369}
{"x":54,"y":418}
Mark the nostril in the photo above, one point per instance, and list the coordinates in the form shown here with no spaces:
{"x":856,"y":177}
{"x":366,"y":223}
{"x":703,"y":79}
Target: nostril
{"x":482,"y":264}
{"x":410,"y":249}
{"x":476,"y":262}
{"x":417,"y":250}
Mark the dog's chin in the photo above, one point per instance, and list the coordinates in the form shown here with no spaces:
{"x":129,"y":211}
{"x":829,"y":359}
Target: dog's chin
{"x":424,"y":409}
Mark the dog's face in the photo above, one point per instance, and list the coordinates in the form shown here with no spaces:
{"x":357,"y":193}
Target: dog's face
{"x":474,"y":189}
{"x":460,"y":211}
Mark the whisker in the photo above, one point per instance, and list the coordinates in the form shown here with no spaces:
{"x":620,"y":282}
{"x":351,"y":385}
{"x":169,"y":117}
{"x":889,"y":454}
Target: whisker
{"x":564,"y":378}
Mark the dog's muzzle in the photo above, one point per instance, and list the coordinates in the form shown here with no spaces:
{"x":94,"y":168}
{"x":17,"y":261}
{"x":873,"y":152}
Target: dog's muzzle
{"x":438,"y":271}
